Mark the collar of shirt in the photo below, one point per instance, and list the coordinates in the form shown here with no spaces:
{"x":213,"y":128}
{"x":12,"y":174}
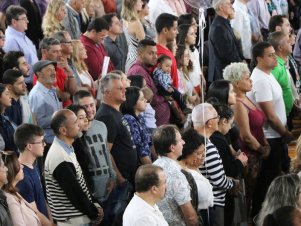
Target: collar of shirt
{"x":43,"y":88}
{"x":281,"y":62}
{"x":14,"y":32}
{"x":72,"y":10}
{"x":171,"y":162}
{"x":67,"y":148}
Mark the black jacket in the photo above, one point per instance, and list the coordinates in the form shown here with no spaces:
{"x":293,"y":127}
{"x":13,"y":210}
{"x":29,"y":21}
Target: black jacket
{"x":224,"y":48}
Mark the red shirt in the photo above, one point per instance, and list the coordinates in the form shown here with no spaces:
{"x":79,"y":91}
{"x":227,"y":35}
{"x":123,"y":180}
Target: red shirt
{"x":109,"y":6}
{"x":174,"y":68}
{"x":96,"y":54}
{"x":60,"y":82}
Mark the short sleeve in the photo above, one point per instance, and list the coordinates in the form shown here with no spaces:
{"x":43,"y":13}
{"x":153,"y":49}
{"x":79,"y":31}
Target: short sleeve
{"x":111,"y":127}
{"x":26,"y":189}
{"x":181,"y":190}
{"x":262,"y":91}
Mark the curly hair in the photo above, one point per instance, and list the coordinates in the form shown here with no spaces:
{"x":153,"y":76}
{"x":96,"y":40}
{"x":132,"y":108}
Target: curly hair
{"x":50,"y":24}
{"x":235,"y":71}
{"x":78,"y":63}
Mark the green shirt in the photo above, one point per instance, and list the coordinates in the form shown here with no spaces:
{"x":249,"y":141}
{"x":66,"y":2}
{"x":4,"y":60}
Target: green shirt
{"x":283,"y":79}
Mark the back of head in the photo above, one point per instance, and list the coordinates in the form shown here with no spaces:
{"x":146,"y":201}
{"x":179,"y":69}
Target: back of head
{"x":25,"y":134}
{"x":220,"y":90}
{"x":46,"y":43}
{"x":163,"y":137}
{"x":105,"y":82}
{"x":284,"y":216}
{"x":136,"y":80}
{"x":223,"y":110}
{"x":185,"y":19}
{"x":58,"y":120}
{"x":276,"y":39}
{"x":162,"y":58}
{"x":200,"y":114}
{"x":146,"y":177}
{"x":193,"y":140}
{"x":75,"y":108}
{"x":98,"y":24}
{"x":79,"y":95}
{"x":108,"y":18}
{"x":235,"y":71}
{"x":288,"y":186}
{"x":12,"y":163}
{"x":182,"y":33}
{"x":10,"y":59}
{"x":132,"y":94}
{"x":60,"y":36}
{"x":217,"y":3}
{"x":276,"y":20}
{"x":10,"y":76}
{"x":165,"y":20}
{"x":13,"y":12}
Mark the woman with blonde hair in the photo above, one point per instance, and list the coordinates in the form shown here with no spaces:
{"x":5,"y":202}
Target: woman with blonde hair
{"x":53,"y":18}
{"x":296,"y":162}
{"x":133,"y":28}
{"x":78,"y":57}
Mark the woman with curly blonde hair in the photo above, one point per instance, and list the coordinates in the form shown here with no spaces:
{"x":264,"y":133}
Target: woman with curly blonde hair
{"x":133,"y":28}
{"x":78,"y":57}
{"x":52,"y":21}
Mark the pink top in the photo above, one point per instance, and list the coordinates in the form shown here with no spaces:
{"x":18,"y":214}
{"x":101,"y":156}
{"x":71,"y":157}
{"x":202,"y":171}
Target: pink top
{"x":21,"y":212}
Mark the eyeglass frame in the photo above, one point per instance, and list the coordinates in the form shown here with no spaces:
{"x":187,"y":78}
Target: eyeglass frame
{"x":216,"y":117}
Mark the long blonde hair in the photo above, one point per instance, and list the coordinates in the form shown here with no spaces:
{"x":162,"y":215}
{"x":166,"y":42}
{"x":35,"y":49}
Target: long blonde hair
{"x":127,"y":12}
{"x":50,"y":24}
{"x":78,"y":63}
{"x":296,"y":162}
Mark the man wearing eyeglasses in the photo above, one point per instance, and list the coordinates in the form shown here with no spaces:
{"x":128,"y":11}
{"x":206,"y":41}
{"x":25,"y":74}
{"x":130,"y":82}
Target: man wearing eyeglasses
{"x":29,"y":139}
{"x":16,"y":40}
{"x":205,"y":121}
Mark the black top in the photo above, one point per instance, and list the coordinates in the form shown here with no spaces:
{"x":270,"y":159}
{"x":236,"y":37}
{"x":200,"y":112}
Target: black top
{"x":14,"y":112}
{"x":123,"y":149}
{"x":233,"y":167}
{"x":7,"y":131}
{"x":224,"y":48}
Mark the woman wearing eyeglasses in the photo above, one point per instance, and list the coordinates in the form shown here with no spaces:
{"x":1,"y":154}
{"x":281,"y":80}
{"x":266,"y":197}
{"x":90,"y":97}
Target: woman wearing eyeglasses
{"x":193,"y":156}
{"x":21,"y":211}
{"x":5,"y":217}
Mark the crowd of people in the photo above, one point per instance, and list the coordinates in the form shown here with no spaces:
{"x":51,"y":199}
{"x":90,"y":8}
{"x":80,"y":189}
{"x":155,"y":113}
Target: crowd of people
{"x":110,"y":114}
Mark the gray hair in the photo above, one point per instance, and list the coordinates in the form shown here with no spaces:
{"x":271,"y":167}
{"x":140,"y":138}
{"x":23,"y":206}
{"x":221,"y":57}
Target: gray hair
{"x":105,"y":82}
{"x":217,"y":3}
{"x":201,"y":114}
{"x":235,"y":71}
{"x":283,"y":191}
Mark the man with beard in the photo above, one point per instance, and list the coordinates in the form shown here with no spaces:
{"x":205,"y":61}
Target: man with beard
{"x":19,"y":112}
{"x":16,"y":60}
{"x":66,"y":188}
{"x":43,"y":99}
{"x":147,"y":57}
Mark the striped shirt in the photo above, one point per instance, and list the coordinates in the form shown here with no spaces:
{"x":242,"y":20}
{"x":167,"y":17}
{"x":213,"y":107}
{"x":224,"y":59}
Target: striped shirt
{"x":213,"y":170}
{"x":65,"y":200}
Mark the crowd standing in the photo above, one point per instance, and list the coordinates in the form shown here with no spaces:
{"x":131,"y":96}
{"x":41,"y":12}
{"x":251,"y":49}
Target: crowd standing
{"x":110,"y":114}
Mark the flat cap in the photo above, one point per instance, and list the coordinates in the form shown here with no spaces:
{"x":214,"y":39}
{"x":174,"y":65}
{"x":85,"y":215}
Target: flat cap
{"x":41,"y":64}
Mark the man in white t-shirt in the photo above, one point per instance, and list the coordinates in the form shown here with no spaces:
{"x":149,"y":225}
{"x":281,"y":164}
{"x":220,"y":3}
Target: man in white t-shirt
{"x":150,"y":183}
{"x":267,"y":95}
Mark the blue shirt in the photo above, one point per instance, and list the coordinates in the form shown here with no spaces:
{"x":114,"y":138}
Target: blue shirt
{"x":31,"y":190}
{"x":139,"y":133}
{"x":18,"y":41}
{"x":43,"y":103}
{"x":66,"y":147}
{"x":162,"y":79}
